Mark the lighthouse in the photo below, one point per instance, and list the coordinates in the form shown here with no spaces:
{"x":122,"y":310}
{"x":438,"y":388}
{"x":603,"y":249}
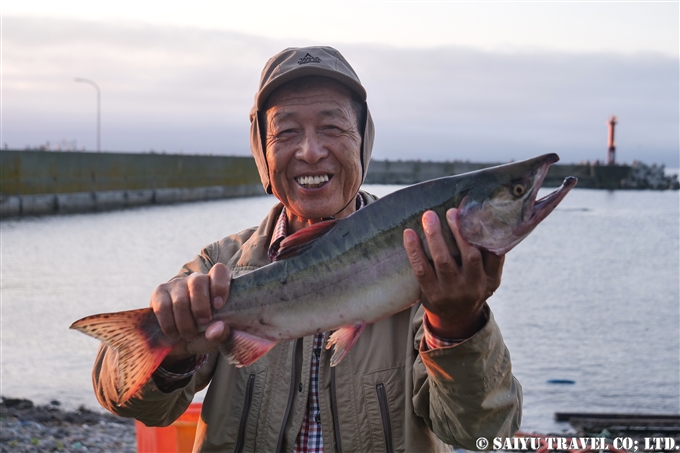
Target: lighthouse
{"x":611,"y":146}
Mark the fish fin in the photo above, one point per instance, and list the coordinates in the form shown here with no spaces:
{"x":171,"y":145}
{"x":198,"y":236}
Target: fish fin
{"x":139,"y":340}
{"x":343,"y":339}
{"x":299,"y":242}
{"x":242,"y":349}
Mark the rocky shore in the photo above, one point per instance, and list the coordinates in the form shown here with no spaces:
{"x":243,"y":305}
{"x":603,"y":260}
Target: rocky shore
{"x":25,"y":427}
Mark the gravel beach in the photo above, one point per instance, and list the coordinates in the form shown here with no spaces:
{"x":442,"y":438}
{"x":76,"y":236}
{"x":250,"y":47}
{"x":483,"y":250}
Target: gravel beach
{"x":25,"y":427}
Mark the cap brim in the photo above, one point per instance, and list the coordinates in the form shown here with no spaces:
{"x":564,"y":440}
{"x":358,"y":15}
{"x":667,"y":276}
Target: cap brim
{"x":303,"y":71}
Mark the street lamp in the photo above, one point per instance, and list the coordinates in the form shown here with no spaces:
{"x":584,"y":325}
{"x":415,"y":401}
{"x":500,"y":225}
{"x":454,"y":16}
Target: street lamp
{"x":96,"y":87}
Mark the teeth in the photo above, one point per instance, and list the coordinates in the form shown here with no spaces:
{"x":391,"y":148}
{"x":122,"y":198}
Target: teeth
{"x":311,"y":180}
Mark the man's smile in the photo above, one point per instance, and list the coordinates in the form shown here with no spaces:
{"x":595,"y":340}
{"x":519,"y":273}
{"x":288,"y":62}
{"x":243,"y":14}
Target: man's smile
{"x":313,"y":182}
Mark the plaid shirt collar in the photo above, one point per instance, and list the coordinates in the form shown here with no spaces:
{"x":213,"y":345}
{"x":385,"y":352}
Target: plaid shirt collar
{"x":281,"y":229}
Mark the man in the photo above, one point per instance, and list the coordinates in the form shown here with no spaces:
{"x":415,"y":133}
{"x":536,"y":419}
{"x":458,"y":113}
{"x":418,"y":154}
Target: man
{"x":436,"y":373}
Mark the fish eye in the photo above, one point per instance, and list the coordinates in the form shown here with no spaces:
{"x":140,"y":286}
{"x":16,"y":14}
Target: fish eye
{"x":518,"y":190}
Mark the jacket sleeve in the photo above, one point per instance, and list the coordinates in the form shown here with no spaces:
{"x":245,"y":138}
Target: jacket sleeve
{"x":150,"y":405}
{"x":467,"y":391}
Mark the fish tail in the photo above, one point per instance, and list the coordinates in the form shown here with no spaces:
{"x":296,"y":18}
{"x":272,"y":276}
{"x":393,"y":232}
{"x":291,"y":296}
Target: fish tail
{"x":139,"y":340}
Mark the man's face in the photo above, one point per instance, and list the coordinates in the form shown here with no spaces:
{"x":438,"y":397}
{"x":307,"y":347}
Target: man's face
{"x":313,"y":150}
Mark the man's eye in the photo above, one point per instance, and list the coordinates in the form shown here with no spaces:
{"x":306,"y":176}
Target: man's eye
{"x":285,"y":132}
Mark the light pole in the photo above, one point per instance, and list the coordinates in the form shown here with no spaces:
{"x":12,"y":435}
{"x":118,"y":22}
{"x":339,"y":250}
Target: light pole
{"x":96,"y":87}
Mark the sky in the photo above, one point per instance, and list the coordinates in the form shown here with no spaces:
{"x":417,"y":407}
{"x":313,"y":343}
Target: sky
{"x":480,"y":81}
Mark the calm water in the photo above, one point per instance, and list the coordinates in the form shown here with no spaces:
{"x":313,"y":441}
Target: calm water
{"x":592,"y":296}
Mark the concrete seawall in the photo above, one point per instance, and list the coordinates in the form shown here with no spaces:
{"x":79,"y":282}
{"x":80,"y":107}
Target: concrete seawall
{"x":68,"y":203}
{"x":44,"y":182}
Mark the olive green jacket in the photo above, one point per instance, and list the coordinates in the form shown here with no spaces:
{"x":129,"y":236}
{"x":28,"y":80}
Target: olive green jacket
{"x":388,"y":394}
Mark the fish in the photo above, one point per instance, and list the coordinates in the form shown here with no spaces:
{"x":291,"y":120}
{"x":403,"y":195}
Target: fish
{"x":340,"y":275}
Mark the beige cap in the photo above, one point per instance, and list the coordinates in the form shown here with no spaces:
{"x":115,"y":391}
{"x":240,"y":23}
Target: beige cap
{"x":293,"y":63}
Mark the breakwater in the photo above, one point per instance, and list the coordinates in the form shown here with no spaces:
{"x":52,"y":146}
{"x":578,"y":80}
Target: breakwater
{"x":44,"y":182}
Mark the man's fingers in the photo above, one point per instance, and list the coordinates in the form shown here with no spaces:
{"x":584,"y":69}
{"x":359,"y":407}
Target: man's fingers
{"x":217,"y":332}
{"x":471,"y":257}
{"x":220,"y":279}
{"x":184,"y":305}
{"x":161,"y":303}
{"x":416,"y":256}
{"x":184,"y":320}
{"x":493,"y":266}
{"x":444,"y":265}
{"x":210,"y":341}
{"x":199,"y":294}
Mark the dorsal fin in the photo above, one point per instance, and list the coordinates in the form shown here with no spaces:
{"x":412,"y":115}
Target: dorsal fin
{"x":298,"y":242}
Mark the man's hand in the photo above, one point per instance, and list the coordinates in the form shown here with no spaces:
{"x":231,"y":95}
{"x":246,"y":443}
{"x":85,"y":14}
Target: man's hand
{"x":454,"y":295}
{"x":184,"y":305}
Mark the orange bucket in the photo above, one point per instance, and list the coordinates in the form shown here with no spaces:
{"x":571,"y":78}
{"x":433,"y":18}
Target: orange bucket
{"x":176,"y":438}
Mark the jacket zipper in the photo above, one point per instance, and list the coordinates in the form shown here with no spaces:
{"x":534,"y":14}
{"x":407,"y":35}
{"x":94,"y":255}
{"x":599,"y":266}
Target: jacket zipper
{"x":334,"y":411}
{"x":279,"y":444}
{"x":240,"y":442}
{"x":385,"y":415}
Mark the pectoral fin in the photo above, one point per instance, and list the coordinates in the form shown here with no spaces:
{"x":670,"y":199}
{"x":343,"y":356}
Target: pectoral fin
{"x":242,"y":349}
{"x":343,"y":339}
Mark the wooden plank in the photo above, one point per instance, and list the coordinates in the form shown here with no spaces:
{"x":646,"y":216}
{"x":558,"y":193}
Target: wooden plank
{"x":623,"y":422}
{"x":566,"y":416}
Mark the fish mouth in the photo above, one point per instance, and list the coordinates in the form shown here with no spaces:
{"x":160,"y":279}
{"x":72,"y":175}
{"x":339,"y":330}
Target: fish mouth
{"x":555,"y":197}
{"x":313,"y":181}
{"x":537,"y":210}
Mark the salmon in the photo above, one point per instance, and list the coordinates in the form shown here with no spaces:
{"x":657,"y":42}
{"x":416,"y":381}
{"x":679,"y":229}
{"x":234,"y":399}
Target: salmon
{"x":340,"y":275}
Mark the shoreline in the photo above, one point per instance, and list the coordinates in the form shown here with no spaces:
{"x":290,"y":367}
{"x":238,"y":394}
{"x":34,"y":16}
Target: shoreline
{"x":26,"y":427}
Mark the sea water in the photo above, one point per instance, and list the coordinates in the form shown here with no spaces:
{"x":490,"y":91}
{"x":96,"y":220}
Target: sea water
{"x":591,"y":296}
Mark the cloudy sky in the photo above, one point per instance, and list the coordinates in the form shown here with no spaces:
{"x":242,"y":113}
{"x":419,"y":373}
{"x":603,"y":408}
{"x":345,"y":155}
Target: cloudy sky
{"x":484,"y":81}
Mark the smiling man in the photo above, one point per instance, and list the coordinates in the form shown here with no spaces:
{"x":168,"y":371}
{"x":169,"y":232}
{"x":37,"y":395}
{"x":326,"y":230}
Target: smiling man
{"x":313,"y":149}
{"x":437,"y":373}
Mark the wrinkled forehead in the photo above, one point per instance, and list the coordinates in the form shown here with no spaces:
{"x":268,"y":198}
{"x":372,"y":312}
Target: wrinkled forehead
{"x":280,"y":115}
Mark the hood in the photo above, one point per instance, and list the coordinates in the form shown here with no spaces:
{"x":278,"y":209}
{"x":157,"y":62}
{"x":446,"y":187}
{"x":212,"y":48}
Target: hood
{"x":295,"y":62}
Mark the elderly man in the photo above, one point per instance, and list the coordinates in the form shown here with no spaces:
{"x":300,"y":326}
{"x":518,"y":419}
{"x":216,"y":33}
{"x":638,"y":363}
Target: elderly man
{"x":435,"y":374}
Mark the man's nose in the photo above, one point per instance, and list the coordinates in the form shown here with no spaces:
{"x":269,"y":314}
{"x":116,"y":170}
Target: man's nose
{"x":311,"y":149}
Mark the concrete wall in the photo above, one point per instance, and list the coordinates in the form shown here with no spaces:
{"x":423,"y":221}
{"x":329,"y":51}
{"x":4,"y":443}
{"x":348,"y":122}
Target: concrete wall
{"x":44,"y":182}
{"x":42,"y":172}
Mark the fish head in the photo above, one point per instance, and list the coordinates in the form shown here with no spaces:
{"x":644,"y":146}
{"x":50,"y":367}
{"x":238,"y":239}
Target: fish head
{"x":501,"y":208}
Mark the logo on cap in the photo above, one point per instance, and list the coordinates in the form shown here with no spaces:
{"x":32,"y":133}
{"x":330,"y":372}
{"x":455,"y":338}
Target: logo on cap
{"x":309,"y":59}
